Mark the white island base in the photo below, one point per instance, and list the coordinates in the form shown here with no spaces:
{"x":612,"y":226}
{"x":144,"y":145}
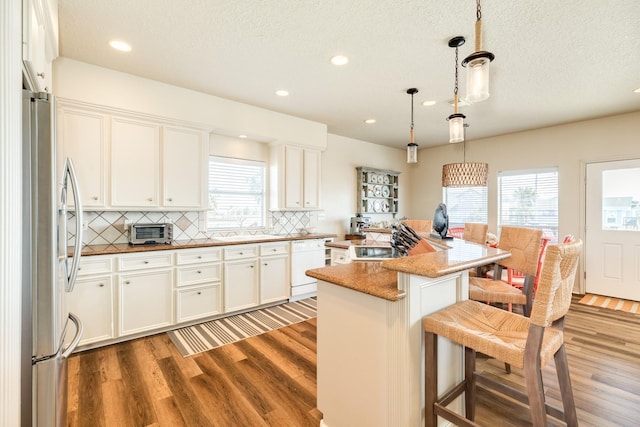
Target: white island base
{"x":371,"y":356}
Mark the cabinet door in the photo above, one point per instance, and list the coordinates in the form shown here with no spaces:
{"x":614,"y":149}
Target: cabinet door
{"x":81,"y":135}
{"x":145,"y":301}
{"x":274,"y":279}
{"x":240,"y":285}
{"x":183,"y":168}
{"x":293,"y":168}
{"x":92,"y":301}
{"x":135,"y":148}
{"x":311,"y":181}
{"x":39,"y":44}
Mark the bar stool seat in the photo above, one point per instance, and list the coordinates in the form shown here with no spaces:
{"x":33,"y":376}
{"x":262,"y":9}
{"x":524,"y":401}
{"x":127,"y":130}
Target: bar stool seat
{"x":526,"y":342}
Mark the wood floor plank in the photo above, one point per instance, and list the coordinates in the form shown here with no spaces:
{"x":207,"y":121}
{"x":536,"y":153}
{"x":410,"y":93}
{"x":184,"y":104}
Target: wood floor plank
{"x":150,"y":370}
{"x":271,"y":380}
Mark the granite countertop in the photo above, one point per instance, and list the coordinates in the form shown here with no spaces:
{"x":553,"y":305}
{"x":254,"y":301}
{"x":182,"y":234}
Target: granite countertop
{"x":125,"y":248}
{"x":380,"y":278}
{"x":364,"y":276}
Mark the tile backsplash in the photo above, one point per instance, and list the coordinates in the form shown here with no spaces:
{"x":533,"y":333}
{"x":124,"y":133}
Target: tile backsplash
{"x":108,"y":227}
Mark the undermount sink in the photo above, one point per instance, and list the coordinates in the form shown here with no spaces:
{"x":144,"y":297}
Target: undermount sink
{"x":248,"y":238}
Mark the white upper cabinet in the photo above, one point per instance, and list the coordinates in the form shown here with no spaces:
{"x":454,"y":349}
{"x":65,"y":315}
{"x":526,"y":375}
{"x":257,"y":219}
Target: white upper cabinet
{"x":135,"y":163}
{"x":295,"y":178}
{"x":183,"y":167}
{"x":124,"y":162}
{"x":85,"y":142}
{"x":39,"y":42}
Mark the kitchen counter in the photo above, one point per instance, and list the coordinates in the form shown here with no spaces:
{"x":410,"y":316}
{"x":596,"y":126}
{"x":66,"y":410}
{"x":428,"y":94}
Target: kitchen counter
{"x":125,"y":248}
{"x":370,"y":333}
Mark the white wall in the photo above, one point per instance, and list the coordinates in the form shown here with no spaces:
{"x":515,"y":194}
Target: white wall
{"x":567,"y":147}
{"x":96,"y":85}
{"x":339,"y":180}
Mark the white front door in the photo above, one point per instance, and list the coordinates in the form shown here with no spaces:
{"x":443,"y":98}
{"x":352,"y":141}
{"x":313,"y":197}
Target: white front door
{"x":612,"y":237}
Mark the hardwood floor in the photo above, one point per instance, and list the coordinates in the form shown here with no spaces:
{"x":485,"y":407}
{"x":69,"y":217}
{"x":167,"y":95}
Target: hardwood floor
{"x":270,"y":380}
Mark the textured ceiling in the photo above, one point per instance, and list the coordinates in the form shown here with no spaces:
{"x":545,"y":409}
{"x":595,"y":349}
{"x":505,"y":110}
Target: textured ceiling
{"x":556,"y":61}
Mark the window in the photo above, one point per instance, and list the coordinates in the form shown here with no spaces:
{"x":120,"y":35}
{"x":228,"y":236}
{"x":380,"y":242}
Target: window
{"x":465,"y":204}
{"x":529,"y":198}
{"x":236,"y":194}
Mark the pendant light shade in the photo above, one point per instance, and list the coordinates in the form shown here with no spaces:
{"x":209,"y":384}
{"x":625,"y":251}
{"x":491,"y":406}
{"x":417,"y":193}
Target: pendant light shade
{"x":456,"y":120}
{"x":465,"y":174}
{"x":412,"y":147}
{"x":477,"y":65}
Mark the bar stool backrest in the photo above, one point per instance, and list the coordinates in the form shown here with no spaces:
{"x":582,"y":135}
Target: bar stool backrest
{"x":524,"y":245}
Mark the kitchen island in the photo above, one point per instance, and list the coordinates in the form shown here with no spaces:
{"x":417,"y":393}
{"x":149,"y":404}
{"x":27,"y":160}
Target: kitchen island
{"x":370,"y":354}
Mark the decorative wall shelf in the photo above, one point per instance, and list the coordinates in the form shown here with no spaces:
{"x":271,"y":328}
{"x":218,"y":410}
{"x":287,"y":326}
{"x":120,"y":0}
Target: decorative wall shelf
{"x":377,"y":191}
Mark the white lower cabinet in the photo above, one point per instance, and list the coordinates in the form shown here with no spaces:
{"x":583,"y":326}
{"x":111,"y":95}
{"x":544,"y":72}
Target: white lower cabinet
{"x":198,"y":284}
{"x":241,"y":284}
{"x":145,"y":301}
{"x":275,"y":282}
{"x":196,"y":302}
{"x":339,"y":256}
{"x":92,"y":301}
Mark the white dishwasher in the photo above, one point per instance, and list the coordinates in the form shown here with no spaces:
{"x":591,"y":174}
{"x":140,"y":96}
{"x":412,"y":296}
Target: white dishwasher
{"x":305,"y":255}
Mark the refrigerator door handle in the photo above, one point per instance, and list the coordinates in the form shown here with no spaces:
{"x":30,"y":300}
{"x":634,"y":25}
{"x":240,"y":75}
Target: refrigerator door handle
{"x":70,"y":176}
{"x":76,"y":339}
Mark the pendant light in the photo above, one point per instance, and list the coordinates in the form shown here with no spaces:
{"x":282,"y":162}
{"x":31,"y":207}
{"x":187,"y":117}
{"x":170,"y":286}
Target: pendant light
{"x":412,"y":147}
{"x":472,"y":174}
{"x":478,"y":65}
{"x":456,"y":120}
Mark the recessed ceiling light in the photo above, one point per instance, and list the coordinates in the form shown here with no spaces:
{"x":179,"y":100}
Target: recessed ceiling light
{"x":242,"y":136}
{"x":120,"y":45}
{"x":637,"y":90}
{"x":429,"y":103}
{"x":339,"y":60}
{"x":282,"y":93}
{"x":370,"y":121}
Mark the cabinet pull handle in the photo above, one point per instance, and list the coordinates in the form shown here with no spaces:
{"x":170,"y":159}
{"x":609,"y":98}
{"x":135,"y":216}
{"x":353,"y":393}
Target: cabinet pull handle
{"x":199,"y":272}
{"x":150,"y":199}
{"x":199,"y":293}
{"x":94,"y":198}
{"x":170,"y":199}
{"x":274,"y":250}
{"x":146,"y":262}
{"x":265,"y":264}
{"x":199,"y":256}
{"x":126,"y":282}
{"x":101,"y":285}
{"x":251,"y":266}
{"x":241,"y":253}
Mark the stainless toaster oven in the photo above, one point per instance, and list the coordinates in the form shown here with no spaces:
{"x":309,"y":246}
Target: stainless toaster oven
{"x":146,"y":233}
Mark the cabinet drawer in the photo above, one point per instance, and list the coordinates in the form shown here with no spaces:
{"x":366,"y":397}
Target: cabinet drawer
{"x":198,"y":274}
{"x":94,"y":265}
{"x":240,"y":252}
{"x":193,"y":256}
{"x":198,"y":302}
{"x":339,"y":256}
{"x":149,"y":260}
{"x":278,"y":248}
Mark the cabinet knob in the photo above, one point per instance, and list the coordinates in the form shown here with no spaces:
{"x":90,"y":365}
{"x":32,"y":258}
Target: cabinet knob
{"x":251,"y":266}
{"x":79,"y":268}
{"x":241,"y":253}
{"x":94,"y":198}
{"x":150,"y":199}
{"x":265,"y":264}
{"x":199,"y":272}
{"x":146,"y":262}
{"x":126,"y":282}
{"x":101,"y":285}
{"x":274,"y":250}
{"x":199,"y":256}
{"x":40,"y":74}
{"x":170,"y":199}
{"x":199,"y":293}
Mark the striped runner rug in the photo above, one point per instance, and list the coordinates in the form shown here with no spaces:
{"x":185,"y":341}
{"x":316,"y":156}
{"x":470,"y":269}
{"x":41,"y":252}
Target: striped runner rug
{"x":215,"y":333}
{"x":611,"y":303}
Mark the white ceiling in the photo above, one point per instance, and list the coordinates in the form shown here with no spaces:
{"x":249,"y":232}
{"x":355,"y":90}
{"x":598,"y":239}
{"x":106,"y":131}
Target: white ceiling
{"x":556,"y":61}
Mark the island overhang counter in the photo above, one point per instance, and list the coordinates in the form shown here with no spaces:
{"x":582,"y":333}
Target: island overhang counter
{"x":369,"y":331}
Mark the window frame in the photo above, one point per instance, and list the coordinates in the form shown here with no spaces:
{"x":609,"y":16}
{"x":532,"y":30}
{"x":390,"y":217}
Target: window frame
{"x":549,"y":221}
{"x":213,"y":224}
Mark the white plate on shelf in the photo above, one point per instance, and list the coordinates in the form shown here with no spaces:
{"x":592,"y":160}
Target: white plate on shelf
{"x":385,"y":206}
{"x":377,"y":206}
{"x":385,"y":191}
{"x":386,"y":179}
{"x":369,"y":206}
{"x":373,"y":178}
{"x":380,"y":179}
{"x":370,"y":192}
{"x":377,"y":191}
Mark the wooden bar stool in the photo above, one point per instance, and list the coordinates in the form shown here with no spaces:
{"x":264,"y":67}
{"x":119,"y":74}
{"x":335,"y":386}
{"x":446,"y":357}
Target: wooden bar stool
{"x":528,"y":343}
{"x":475,"y":232}
{"x":524,"y":245}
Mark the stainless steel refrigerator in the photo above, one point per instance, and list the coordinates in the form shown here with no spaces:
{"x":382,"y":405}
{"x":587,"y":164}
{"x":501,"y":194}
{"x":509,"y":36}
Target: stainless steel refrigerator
{"x":47,"y":271}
